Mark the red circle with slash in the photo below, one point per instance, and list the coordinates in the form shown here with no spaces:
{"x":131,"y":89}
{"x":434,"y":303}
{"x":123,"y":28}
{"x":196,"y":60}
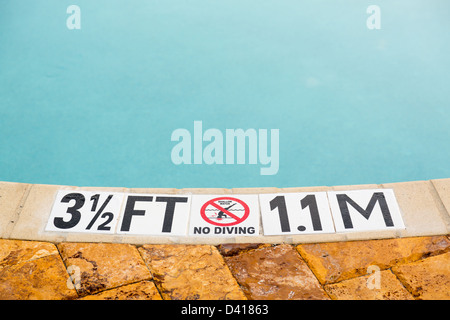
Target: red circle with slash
{"x":225,"y":211}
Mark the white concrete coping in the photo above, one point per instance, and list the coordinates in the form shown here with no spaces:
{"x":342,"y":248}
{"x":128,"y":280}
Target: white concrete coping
{"x":25,"y":210}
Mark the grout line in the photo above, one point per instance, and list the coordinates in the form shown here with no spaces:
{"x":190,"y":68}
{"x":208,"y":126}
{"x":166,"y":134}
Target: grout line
{"x":13,"y":222}
{"x":149,"y":270}
{"x":445,"y":215}
{"x":309,"y":267}
{"x":405,"y":284}
{"x":68,"y":274}
{"x":231,"y":272}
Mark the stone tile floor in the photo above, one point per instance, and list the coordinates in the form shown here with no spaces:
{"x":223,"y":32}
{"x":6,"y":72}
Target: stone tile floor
{"x":400,"y":268}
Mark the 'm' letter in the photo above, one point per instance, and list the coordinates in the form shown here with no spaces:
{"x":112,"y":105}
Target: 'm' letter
{"x":378,"y":197}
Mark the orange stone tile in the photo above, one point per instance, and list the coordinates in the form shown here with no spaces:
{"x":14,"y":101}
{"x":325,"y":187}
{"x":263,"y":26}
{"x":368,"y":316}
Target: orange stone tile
{"x":275,"y":273}
{"x":337,"y":261}
{"x":103,"y":265}
{"x":191,"y":272}
{"x":16,"y":251}
{"x":144,"y":290}
{"x":381,"y":285}
{"x":427,"y":279}
{"x":39,"y":279}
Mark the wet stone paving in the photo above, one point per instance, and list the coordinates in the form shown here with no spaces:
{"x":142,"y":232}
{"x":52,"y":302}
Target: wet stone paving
{"x":416,"y":268}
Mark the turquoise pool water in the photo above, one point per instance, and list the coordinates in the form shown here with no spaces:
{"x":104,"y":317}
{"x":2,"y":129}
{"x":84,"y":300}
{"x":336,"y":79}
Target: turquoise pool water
{"x":97,"y":106}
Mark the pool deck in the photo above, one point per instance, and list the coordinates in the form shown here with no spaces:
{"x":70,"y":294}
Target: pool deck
{"x":403,"y":264}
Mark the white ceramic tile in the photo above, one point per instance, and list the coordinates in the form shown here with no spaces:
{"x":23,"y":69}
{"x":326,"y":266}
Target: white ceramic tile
{"x":296,"y":213}
{"x":85,"y":211}
{"x":224,"y":215}
{"x":365,"y":210}
{"x":155,"y":214}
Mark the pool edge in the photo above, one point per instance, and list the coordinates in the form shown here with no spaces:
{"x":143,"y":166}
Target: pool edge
{"x":425,"y":207}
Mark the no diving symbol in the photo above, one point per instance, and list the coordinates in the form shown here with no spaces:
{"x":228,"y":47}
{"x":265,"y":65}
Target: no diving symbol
{"x":225,"y":211}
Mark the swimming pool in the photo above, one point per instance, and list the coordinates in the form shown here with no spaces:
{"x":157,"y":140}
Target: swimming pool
{"x":97,"y":106}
